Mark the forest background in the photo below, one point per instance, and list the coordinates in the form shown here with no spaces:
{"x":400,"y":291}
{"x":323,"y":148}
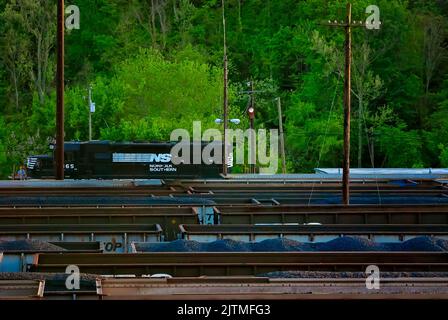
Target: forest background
{"x":156,"y":65}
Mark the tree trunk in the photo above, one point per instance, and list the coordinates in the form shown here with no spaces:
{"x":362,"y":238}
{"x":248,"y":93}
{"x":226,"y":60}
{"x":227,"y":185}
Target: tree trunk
{"x":240,"y":22}
{"x":39,"y":69}
{"x":16,"y":90}
{"x":153,"y":23}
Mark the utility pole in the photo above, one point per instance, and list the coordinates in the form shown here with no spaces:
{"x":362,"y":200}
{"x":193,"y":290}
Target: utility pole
{"x":252,"y":127}
{"x":347,"y":25}
{"x":226,"y":71}
{"x":347,"y":107}
{"x":59,"y":152}
{"x":282,"y":137}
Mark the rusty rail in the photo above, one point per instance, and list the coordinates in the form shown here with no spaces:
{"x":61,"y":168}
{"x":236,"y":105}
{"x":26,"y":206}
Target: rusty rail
{"x":169,"y":217}
{"x":193,"y":264}
{"x":248,"y":232}
{"x":265,"y":288}
{"x":21,"y":289}
{"x":234,"y":288}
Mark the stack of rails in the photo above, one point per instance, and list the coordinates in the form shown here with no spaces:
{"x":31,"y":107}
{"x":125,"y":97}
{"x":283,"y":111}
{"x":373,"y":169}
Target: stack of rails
{"x":229,"y":192}
{"x":264,"y":288}
{"x":310,"y":233}
{"x":196,"y":264}
{"x":169,"y":217}
{"x":231,"y":288}
{"x":21,"y":289}
{"x":110,"y":238}
{"x":335,"y":214}
{"x":237,"y":206}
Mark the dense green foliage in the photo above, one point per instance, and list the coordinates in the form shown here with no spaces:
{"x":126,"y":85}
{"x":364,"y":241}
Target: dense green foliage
{"x":156,"y":65}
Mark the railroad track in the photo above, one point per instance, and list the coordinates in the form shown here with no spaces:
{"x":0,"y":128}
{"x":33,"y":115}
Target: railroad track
{"x":195,"y":264}
{"x":231,"y":288}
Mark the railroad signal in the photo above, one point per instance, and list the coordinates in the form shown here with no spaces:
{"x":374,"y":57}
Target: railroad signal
{"x":251,"y":113}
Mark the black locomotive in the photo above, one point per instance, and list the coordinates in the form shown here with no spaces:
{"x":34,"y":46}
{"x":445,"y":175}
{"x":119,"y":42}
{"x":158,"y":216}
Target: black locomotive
{"x":126,"y":160}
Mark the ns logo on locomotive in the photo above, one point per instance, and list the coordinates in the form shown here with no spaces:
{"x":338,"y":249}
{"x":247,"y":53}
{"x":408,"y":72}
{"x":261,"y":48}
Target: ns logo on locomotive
{"x":126,"y":160}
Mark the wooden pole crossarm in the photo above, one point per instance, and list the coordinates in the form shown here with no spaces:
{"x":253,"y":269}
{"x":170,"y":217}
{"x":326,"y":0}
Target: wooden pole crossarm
{"x":354,"y":24}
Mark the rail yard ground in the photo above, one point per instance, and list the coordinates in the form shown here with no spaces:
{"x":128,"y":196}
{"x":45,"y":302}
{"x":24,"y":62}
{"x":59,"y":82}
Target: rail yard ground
{"x":284,"y":237}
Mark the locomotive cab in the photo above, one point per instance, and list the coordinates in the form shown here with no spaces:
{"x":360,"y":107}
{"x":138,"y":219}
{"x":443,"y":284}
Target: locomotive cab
{"x":40,"y":166}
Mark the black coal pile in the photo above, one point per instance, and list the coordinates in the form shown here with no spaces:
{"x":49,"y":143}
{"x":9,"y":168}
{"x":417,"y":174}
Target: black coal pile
{"x":28,"y":245}
{"x":227,"y":245}
{"x":424,"y":244}
{"x":392,"y":246}
{"x":350,"y":244}
{"x":288,"y":245}
{"x":174,"y":246}
{"x":280,"y":245}
{"x":336,"y":275}
{"x":442,"y":243}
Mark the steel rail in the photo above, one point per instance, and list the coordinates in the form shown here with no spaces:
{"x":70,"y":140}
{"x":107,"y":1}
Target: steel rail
{"x":237,"y":263}
{"x":79,"y":228}
{"x":186,"y":208}
{"x":236,"y":197}
{"x":209,"y":191}
{"x":252,"y":232}
{"x":234,"y":288}
{"x":110,"y":238}
{"x":222,"y":186}
{"x":21,"y":289}
{"x":265,"y":288}
{"x":169,"y":217}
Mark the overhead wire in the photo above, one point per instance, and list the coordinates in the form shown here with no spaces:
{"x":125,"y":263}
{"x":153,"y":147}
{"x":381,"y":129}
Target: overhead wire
{"x":325,"y":135}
